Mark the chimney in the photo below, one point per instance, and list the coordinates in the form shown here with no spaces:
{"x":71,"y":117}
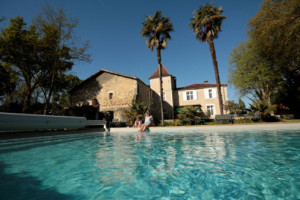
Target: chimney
{"x":205,"y":82}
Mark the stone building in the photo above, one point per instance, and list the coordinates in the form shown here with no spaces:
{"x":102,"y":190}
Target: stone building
{"x":114,"y":92}
{"x":111,"y":91}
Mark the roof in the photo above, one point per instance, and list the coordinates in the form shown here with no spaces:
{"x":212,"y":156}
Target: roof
{"x":199,"y":86}
{"x":164,"y":72}
{"x":107,"y":71}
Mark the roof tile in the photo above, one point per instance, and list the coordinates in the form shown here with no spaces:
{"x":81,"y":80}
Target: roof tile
{"x":199,"y":86}
{"x":164,"y":72}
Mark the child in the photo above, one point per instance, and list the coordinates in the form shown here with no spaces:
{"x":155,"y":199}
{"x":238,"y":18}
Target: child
{"x":137,"y":123}
{"x":148,"y":121}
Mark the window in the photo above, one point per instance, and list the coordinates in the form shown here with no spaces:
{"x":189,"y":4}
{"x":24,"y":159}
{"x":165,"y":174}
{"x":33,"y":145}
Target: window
{"x":210,"y":94}
{"x":189,"y":95}
{"x":110,"y":95}
{"x":210,"y":108}
{"x":164,"y":96}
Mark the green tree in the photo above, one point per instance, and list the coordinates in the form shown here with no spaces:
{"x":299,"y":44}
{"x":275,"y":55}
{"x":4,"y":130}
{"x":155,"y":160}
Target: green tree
{"x":231,"y":106}
{"x":61,"y":98}
{"x":189,"y":115}
{"x":59,"y":49}
{"x":251,"y":74}
{"x":275,"y":28}
{"x":236,"y":108}
{"x":18,"y":48}
{"x":206,"y":24}
{"x":156,"y":29}
{"x":41,"y":54}
{"x":135,"y":110}
{"x":7,"y":84}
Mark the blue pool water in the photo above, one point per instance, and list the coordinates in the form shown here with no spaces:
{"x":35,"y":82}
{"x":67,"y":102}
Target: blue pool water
{"x":94,"y":165}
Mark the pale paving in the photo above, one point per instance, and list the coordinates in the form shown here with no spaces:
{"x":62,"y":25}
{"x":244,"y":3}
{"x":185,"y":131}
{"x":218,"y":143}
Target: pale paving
{"x":217,"y":128}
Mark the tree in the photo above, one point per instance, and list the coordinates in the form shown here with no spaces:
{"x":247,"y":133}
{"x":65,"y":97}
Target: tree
{"x":58,"y":49}
{"x":276,"y":29}
{"x":41,"y":54}
{"x":251,"y":74}
{"x":7,"y":84}
{"x":61,"y":98}
{"x":206,"y":24}
{"x":156,"y":29}
{"x":18,"y":49}
{"x":236,"y":108}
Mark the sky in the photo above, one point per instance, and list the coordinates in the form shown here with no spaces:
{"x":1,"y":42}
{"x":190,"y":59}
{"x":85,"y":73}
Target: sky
{"x":113,"y":29}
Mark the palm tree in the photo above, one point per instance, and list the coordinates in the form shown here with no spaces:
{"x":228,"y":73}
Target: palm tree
{"x":206,"y":24}
{"x":156,"y":29}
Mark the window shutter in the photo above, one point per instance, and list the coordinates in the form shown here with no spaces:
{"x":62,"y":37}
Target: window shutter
{"x":214,"y":93}
{"x":206,"y":93}
{"x":184,"y":96}
{"x":195,"y":95}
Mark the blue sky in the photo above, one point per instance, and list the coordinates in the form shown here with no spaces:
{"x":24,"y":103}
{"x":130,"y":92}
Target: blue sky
{"x":113,"y":29}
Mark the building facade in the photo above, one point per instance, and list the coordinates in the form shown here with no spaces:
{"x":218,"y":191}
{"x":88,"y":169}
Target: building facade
{"x":114,"y":92}
{"x":111,"y":91}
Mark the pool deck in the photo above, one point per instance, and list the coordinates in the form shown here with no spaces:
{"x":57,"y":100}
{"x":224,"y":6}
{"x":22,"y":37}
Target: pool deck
{"x":280,"y":126}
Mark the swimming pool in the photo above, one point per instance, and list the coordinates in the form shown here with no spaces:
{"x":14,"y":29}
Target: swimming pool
{"x":187,"y":165}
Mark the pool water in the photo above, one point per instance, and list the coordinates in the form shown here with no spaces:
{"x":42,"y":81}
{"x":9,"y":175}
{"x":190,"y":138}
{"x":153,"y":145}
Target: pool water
{"x":95,"y":165}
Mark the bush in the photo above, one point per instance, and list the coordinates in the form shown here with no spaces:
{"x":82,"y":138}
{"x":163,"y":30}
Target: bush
{"x":178,"y":122}
{"x":189,"y":114}
{"x":87,"y":111}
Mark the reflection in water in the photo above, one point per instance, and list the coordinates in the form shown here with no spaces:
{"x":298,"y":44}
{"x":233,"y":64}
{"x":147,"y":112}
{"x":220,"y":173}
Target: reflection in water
{"x":155,"y":165}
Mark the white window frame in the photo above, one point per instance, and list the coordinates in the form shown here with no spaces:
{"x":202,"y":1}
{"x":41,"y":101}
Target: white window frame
{"x":213,"y":113}
{"x":190,"y":95}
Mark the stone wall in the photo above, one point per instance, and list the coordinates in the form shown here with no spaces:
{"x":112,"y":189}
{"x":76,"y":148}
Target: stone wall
{"x":86,"y":91}
{"x":113,"y":93}
{"x":168,"y":88}
{"x":143,"y":94}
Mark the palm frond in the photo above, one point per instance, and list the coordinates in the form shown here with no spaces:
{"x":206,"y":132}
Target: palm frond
{"x":207,"y":21}
{"x":156,"y":29}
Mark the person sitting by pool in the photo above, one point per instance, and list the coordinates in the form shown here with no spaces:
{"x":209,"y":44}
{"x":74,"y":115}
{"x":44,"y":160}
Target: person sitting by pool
{"x":148,"y":121}
{"x":137,"y":123}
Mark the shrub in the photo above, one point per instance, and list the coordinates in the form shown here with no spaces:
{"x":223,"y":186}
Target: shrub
{"x":189,"y":114}
{"x":87,"y":111}
{"x":263,"y":109}
{"x":178,"y":122}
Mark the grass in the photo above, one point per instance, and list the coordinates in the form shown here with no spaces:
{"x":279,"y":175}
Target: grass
{"x":241,"y":121}
{"x":291,"y":120}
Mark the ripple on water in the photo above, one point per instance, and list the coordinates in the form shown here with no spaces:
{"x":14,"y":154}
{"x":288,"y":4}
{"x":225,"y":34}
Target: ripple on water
{"x":246,"y":165}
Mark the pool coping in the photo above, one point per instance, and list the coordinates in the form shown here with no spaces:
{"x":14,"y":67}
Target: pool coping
{"x":217,"y":128}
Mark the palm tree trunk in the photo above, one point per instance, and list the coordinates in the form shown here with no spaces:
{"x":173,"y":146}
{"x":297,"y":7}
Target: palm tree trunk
{"x":211,"y":45}
{"x":160,"y":86}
